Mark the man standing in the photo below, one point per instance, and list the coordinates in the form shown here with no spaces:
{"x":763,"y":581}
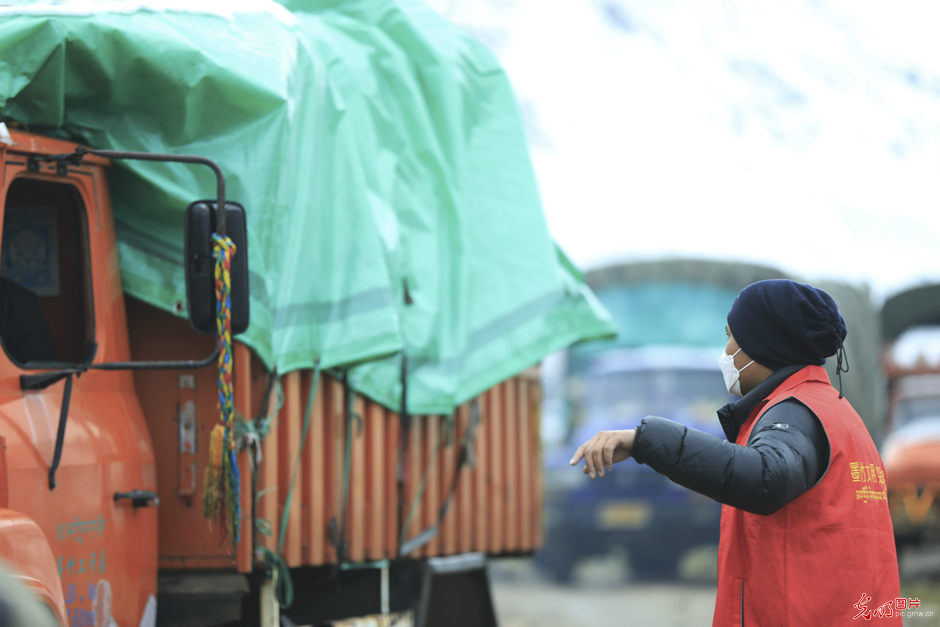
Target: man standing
{"x":806,"y":536}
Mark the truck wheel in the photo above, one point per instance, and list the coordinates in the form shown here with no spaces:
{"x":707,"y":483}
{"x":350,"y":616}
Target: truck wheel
{"x":557,"y":561}
{"x":655,"y":562}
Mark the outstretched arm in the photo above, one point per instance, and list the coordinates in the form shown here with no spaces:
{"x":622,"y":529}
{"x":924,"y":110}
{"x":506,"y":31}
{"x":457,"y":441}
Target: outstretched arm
{"x":786,"y":455}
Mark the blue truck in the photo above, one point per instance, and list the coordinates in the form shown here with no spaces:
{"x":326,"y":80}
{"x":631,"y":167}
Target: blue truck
{"x":670,"y":317}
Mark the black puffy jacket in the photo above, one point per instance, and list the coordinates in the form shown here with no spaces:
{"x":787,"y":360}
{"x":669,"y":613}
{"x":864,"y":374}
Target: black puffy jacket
{"x":787,"y":452}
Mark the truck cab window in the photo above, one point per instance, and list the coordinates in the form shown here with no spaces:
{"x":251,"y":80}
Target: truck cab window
{"x":45,"y":304}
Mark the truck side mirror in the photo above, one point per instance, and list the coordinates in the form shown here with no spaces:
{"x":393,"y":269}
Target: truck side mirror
{"x":200,"y":266}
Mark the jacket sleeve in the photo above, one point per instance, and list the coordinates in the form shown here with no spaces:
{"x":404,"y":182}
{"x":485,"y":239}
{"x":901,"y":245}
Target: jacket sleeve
{"x":786,"y":454}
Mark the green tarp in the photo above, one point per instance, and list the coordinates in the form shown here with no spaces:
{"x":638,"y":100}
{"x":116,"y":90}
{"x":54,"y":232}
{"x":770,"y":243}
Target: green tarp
{"x":378,"y":151}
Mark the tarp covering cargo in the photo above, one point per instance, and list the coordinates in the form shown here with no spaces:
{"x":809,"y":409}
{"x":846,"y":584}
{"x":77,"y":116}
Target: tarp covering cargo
{"x":378,"y":151}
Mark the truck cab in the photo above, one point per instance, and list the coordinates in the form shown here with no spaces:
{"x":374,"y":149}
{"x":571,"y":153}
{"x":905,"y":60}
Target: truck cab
{"x":912,"y":442}
{"x":77,"y":462}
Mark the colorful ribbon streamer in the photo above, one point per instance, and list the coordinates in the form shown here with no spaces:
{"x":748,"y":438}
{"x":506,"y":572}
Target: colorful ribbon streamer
{"x":220,"y":498}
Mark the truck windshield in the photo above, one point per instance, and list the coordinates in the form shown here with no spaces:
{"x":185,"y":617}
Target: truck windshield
{"x":688,"y":395}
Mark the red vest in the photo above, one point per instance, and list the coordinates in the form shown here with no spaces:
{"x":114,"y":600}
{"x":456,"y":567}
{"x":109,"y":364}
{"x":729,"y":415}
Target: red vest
{"x":817,"y":560}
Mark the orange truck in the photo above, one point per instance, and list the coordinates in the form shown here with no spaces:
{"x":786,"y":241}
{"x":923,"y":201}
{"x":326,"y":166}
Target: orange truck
{"x":103,"y":455}
{"x":911,"y":448}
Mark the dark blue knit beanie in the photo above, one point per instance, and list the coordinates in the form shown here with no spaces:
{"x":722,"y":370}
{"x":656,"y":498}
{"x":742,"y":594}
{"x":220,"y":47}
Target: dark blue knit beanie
{"x":781,"y":323}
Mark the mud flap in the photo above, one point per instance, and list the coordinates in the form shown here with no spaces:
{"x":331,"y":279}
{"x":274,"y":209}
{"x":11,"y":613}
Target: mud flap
{"x":456,"y":593}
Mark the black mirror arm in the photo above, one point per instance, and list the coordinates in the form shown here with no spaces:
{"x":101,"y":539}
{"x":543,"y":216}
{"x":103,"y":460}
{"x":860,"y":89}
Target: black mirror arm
{"x":60,"y":434}
{"x":158,"y":365}
{"x":156,"y":156}
{"x":45,"y":379}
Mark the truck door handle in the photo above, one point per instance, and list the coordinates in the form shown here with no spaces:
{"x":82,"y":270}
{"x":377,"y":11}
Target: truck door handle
{"x":140,"y":498}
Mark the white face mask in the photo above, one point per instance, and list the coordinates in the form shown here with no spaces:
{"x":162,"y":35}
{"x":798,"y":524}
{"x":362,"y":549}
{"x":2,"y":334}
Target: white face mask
{"x":730,"y":373}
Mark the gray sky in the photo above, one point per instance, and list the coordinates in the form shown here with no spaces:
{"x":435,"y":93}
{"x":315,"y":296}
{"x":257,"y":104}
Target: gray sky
{"x":805,"y":135}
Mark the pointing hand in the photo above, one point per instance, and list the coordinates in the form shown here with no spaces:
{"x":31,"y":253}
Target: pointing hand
{"x":604,"y":450}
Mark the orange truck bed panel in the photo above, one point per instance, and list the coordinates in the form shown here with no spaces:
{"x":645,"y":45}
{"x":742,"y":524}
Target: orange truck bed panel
{"x":495,"y":509}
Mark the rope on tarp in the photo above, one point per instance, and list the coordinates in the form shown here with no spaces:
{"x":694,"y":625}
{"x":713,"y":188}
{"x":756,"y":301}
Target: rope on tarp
{"x":338,"y":523}
{"x":249,"y":434}
{"x":402,"y":449}
{"x":220,"y":498}
{"x":284,"y":585}
{"x":466,"y":458}
{"x":407,"y":546}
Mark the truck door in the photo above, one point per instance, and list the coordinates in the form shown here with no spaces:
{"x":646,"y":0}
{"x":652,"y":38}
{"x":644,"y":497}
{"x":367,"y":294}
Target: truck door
{"x":61,"y":305}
